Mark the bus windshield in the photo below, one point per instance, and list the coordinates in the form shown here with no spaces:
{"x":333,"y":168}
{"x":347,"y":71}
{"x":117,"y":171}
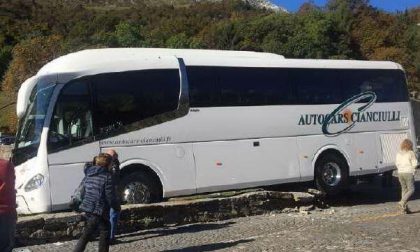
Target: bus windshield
{"x":32,"y":123}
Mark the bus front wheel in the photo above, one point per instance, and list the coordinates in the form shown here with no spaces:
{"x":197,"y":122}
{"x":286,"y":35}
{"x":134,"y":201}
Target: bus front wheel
{"x":331,"y":174}
{"x":138,"y":188}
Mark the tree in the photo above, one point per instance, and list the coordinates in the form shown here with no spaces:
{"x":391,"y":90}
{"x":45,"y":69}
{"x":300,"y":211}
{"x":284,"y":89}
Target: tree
{"x":28,"y":57}
{"x":5,"y":58}
{"x":128,"y":35}
{"x":34,"y":32}
{"x":307,"y":7}
{"x":222,"y":35}
{"x":180,"y":40}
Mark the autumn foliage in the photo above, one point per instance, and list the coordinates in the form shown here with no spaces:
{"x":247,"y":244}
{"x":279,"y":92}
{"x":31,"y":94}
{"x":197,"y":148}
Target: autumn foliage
{"x":35,"y":32}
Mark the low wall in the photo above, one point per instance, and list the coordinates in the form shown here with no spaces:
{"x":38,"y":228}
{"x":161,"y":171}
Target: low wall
{"x":66,"y":226}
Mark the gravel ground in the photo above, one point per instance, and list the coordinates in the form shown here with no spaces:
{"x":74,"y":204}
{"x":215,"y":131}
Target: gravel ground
{"x":364,"y":219}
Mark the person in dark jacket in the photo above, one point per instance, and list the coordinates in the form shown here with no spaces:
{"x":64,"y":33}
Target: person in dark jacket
{"x":115,"y":171}
{"x":7,"y":206}
{"x":99,"y":197}
{"x":89,"y":164}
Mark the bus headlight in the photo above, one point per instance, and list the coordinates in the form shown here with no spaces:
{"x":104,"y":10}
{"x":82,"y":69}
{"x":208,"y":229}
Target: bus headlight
{"x":34,"y":183}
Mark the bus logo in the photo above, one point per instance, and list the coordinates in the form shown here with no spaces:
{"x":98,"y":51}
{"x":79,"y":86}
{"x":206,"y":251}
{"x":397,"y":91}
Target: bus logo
{"x":346,"y":117}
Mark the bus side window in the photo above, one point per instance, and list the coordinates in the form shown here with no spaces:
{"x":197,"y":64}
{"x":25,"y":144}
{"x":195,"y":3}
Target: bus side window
{"x":72,"y":119}
{"x":126,"y":98}
{"x":239,"y":86}
{"x":202,"y":83}
{"x":388,"y":85}
{"x":254,"y":86}
{"x":317,"y":86}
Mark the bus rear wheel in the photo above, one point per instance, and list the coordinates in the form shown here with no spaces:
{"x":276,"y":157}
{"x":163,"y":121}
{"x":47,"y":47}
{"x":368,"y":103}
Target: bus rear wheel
{"x":138,"y":188}
{"x":331,"y":174}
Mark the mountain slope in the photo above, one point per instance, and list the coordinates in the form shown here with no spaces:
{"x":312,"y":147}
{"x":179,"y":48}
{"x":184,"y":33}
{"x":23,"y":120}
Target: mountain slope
{"x":265,"y":4}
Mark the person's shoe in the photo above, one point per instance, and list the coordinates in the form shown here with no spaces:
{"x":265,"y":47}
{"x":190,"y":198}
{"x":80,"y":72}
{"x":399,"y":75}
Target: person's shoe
{"x":407,"y":210}
{"x":401,"y":208}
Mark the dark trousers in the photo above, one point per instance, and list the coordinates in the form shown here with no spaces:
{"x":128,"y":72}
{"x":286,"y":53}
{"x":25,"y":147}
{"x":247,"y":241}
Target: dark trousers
{"x":114,"y":215}
{"x":93,"y":222}
{"x":7,"y":231}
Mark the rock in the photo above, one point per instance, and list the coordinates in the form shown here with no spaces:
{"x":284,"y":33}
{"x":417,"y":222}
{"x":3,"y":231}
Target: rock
{"x":304,"y":212}
{"x":315,"y":192}
{"x":331,"y":211}
{"x":41,"y":234}
{"x":307,"y":208}
{"x":290,"y":210}
{"x":303,"y":198}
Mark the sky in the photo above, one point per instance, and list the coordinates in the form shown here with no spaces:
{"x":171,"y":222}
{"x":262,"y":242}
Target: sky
{"x":388,"y":5}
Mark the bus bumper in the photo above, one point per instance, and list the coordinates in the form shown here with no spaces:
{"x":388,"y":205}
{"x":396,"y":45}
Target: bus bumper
{"x":22,"y":206}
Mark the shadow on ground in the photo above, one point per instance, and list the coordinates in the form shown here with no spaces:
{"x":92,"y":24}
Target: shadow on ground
{"x":364,"y":192}
{"x":371,"y":192}
{"x":194,"y":228}
{"x":210,"y":247}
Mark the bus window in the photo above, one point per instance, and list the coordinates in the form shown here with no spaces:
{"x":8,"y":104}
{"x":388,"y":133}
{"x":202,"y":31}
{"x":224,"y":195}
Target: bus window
{"x":129,"y":97}
{"x":238,"y":86}
{"x":72,"y":119}
{"x":317,"y":86}
{"x":202,"y":84}
{"x":253,"y":86}
{"x":388,"y":85}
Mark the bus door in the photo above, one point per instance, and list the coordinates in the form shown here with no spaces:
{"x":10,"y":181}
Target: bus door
{"x":365,"y":157}
{"x":70,"y":142}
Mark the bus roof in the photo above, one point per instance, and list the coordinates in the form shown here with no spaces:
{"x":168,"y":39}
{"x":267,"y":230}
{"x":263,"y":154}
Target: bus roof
{"x":86,"y":59}
{"x":91,"y":61}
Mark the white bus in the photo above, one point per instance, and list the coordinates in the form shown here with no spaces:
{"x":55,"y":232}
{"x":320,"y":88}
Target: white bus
{"x":194,"y":121}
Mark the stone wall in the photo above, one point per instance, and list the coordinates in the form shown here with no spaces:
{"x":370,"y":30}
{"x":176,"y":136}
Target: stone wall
{"x":66,"y":226}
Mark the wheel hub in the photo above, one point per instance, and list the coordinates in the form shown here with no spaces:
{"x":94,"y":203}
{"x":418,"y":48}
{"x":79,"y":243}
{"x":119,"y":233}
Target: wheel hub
{"x":331,"y":174}
{"x":136,"y":193}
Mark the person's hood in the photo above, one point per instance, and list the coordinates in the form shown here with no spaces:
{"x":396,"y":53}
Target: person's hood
{"x":95,"y":170}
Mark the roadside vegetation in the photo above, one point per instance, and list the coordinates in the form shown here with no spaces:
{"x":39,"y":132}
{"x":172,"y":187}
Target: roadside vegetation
{"x":35,"y":32}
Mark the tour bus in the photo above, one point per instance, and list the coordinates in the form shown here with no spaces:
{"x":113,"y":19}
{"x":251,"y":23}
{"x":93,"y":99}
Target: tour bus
{"x":193,"y":121}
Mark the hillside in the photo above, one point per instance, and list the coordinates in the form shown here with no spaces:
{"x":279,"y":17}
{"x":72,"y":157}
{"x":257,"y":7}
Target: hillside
{"x":37,"y":31}
{"x":264,"y":4}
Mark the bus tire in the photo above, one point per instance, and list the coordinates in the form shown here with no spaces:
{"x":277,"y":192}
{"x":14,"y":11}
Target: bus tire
{"x":331,"y":174}
{"x":138,"y":188}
